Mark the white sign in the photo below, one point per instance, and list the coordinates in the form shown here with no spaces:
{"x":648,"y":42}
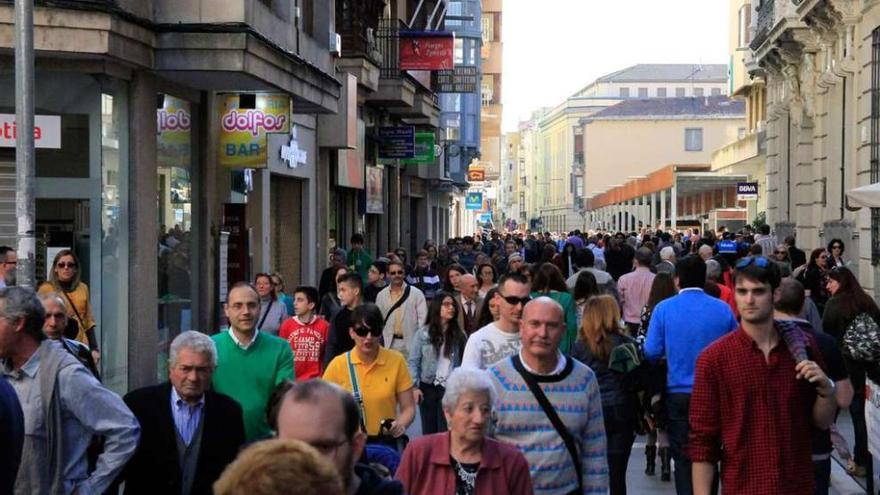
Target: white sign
{"x":291,"y":153}
{"x":47,"y":131}
{"x":747,"y":191}
{"x":872,"y":416}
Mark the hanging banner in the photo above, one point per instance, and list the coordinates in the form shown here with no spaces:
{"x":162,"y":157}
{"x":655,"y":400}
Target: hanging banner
{"x":243,"y":130}
{"x":461,"y":79}
{"x":375,"y":176}
{"x":424,"y":149}
{"x":473,"y":201}
{"x":397,"y":142}
{"x":427,"y":50}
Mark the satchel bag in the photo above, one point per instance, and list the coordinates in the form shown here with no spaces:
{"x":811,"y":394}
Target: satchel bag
{"x":861,"y":340}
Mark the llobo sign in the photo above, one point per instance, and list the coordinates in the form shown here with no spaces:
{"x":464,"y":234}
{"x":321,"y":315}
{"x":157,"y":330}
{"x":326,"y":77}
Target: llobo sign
{"x":47,"y":131}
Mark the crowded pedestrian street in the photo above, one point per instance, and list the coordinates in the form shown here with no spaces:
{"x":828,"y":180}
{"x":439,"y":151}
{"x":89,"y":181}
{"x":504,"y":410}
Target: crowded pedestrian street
{"x":439,"y":247}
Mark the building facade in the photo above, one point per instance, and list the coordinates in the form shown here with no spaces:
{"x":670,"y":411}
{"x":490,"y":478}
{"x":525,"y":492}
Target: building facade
{"x":492,"y":56}
{"x":821,"y":63}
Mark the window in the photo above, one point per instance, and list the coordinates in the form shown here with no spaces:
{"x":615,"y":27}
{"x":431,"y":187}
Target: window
{"x":693,"y":139}
{"x":459,"y":51}
{"x":307,"y":16}
{"x":698,"y":91}
{"x":661,"y":92}
{"x":487,"y":89}
{"x":643,"y":92}
{"x":624,"y":92}
{"x":679,"y":92}
{"x":487,"y":26}
{"x":745,"y":20}
{"x":454,"y":10}
{"x":716,"y":92}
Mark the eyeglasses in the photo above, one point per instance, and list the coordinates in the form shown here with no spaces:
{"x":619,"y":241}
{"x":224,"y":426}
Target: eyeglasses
{"x":448,"y":304}
{"x":362,"y":331}
{"x":65,"y":264}
{"x":759,"y":261}
{"x":781,"y":252}
{"x":513,"y":301}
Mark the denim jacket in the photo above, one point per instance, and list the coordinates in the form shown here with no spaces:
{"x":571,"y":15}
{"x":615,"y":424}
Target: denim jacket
{"x":422,"y":360}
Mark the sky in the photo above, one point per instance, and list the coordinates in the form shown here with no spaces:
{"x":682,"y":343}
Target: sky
{"x":552,"y":48}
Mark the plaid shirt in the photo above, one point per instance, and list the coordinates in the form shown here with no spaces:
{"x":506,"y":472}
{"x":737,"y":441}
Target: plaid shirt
{"x":754,"y":416}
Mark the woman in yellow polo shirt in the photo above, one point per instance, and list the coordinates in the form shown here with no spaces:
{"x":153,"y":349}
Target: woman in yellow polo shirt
{"x":381,"y":382}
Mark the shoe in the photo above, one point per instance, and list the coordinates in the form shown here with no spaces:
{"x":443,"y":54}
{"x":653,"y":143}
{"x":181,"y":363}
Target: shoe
{"x":665,"y":464}
{"x":650,"y":458}
{"x":855,"y":470}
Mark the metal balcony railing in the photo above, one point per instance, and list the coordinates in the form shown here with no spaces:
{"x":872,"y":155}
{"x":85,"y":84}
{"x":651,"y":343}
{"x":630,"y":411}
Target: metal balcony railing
{"x":357,"y":22}
{"x":766,"y":21}
{"x":388,"y":42}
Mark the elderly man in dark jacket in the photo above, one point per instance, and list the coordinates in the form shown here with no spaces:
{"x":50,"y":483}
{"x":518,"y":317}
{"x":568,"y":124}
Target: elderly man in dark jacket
{"x":190,"y":433}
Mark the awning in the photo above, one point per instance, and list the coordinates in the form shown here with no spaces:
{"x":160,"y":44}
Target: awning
{"x":865,"y":196}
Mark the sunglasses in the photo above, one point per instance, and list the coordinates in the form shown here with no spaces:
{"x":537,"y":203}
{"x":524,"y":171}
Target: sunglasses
{"x":65,"y":264}
{"x":362,"y":331}
{"x":513,"y":301}
{"x":759,"y":261}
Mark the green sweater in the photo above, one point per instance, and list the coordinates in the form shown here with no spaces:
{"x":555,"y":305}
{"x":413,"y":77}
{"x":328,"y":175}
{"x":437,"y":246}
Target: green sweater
{"x":249,"y":376}
{"x":570,"y":309}
{"x":359,"y":262}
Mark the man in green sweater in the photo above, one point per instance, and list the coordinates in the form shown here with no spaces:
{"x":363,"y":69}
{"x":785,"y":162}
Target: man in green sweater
{"x":250,"y":363}
{"x":359,"y":260}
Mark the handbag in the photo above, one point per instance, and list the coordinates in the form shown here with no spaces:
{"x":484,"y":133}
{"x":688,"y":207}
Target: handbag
{"x":557,"y":423}
{"x":861,"y":339}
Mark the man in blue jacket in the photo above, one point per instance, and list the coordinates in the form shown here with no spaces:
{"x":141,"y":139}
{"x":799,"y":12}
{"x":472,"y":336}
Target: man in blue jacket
{"x":681,"y":327}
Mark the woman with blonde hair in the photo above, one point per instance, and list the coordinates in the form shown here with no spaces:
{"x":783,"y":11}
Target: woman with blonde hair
{"x":65,"y":280}
{"x":600,"y":333}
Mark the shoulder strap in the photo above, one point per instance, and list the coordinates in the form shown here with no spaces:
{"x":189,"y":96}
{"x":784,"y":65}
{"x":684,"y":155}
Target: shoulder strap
{"x":356,"y":391}
{"x":560,"y":427}
{"x":398,"y":304}
{"x":263,"y":319}
{"x":73,"y":307}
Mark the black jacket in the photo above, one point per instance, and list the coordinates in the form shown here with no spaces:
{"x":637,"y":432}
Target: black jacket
{"x":373,"y":484}
{"x":154,"y":468}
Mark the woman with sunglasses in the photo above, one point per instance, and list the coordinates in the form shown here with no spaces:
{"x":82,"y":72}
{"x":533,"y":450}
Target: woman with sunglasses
{"x":377,"y":377}
{"x":835,"y":253}
{"x":65,"y":280}
{"x":849,"y":300}
{"x":435,"y":351}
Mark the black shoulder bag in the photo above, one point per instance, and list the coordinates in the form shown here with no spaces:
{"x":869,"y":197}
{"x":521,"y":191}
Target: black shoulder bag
{"x":567,"y":438}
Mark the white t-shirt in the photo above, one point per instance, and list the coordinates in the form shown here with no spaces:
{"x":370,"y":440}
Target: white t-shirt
{"x":489,"y":345}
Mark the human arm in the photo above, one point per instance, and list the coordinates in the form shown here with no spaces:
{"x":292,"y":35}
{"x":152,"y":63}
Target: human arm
{"x":407,"y":405}
{"x":843,"y":393}
{"x":655,"y":341}
{"x":414,"y":363}
{"x":421,"y":308}
{"x":284,"y":369}
{"x":470,"y":358}
{"x":594,"y":461}
{"x":101,"y":412}
{"x":519,"y":481}
{"x":825,"y":405}
{"x":705,"y":420}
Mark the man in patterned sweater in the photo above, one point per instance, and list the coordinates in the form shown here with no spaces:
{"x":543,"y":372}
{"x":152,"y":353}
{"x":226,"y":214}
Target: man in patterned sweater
{"x":573,"y":391}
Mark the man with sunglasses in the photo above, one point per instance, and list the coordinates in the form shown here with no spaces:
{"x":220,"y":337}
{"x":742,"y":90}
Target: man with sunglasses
{"x":758,"y":392}
{"x":403,"y":308}
{"x":500,"y":339}
{"x":681,"y":327}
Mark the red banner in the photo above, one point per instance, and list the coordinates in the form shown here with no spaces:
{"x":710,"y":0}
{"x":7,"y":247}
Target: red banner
{"x":427,"y":50}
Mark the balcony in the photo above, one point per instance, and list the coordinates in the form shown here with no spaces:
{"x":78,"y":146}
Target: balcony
{"x":764,"y":24}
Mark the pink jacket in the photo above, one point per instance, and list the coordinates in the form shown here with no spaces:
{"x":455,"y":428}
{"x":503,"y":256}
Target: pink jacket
{"x":425,"y":468}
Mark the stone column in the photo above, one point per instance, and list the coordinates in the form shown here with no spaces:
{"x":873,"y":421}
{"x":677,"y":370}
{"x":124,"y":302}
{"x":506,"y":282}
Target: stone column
{"x":663,"y":210}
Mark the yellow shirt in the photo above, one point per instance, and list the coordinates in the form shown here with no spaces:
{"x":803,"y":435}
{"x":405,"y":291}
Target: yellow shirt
{"x":379,"y":382}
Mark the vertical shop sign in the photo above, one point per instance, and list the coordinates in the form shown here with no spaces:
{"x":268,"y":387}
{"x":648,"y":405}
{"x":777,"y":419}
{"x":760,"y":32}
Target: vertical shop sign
{"x":173,"y":125}
{"x":243,"y":131}
{"x":235,"y":222}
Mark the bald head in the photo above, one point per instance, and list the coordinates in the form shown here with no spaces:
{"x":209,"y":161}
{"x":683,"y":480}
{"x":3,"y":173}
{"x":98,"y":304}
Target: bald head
{"x":544,"y":305}
{"x":541,"y":329}
{"x":705,"y":252}
{"x":468,"y":286}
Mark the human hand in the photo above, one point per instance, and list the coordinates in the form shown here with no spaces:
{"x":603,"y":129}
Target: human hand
{"x":814,"y":374}
{"x":397,"y":429}
{"x":96,"y":356}
{"x":418,"y":395}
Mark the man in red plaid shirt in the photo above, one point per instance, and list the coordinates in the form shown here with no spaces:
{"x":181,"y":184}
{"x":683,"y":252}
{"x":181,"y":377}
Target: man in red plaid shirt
{"x":754,"y":403}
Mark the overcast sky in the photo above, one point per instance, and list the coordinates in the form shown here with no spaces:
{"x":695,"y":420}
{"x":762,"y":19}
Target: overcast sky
{"x":553,"y":48}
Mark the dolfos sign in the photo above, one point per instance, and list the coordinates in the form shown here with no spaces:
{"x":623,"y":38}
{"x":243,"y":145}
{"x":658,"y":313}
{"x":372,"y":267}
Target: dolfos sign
{"x":243,"y":142}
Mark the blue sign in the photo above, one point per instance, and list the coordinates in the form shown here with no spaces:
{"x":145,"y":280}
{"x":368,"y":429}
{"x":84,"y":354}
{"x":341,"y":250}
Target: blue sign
{"x":727,"y":247}
{"x":486,"y":217}
{"x":397,"y":142}
{"x":473,"y":201}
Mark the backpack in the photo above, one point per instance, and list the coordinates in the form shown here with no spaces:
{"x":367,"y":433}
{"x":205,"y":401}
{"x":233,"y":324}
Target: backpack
{"x":627,"y":360}
{"x":861,"y":339}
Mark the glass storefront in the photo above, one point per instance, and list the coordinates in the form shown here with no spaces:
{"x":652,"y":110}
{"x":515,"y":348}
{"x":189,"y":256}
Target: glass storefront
{"x":174,"y":166}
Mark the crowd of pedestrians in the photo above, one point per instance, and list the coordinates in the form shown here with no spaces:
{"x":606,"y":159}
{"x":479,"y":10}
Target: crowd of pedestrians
{"x":532,"y":361}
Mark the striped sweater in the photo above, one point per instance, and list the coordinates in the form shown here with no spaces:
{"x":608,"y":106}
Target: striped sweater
{"x":521,"y":422}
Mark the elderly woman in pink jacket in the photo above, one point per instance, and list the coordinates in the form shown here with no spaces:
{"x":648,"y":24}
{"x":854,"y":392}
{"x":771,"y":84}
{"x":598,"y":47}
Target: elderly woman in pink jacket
{"x":463,"y":460}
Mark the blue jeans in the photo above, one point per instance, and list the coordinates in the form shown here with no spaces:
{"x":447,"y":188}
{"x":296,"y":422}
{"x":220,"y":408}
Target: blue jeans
{"x":677,"y":407}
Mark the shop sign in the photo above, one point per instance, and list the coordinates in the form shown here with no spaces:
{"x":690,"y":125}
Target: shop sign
{"x":485,"y":217}
{"x":427,"y":50}
{"x":47,"y":131}
{"x":291,"y":152}
{"x":243,"y":132}
{"x":375,"y":176}
{"x":424,"y":149}
{"x":746,"y":191}
{"x":476,"y":174}
{"x":473,"y":201}
{"x":461,"y":79}
{"x":397,"y":142}
{"x":173,"y":140}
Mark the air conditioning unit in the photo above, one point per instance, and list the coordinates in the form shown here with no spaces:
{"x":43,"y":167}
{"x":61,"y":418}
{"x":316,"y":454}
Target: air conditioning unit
{"x":336,"y":44}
